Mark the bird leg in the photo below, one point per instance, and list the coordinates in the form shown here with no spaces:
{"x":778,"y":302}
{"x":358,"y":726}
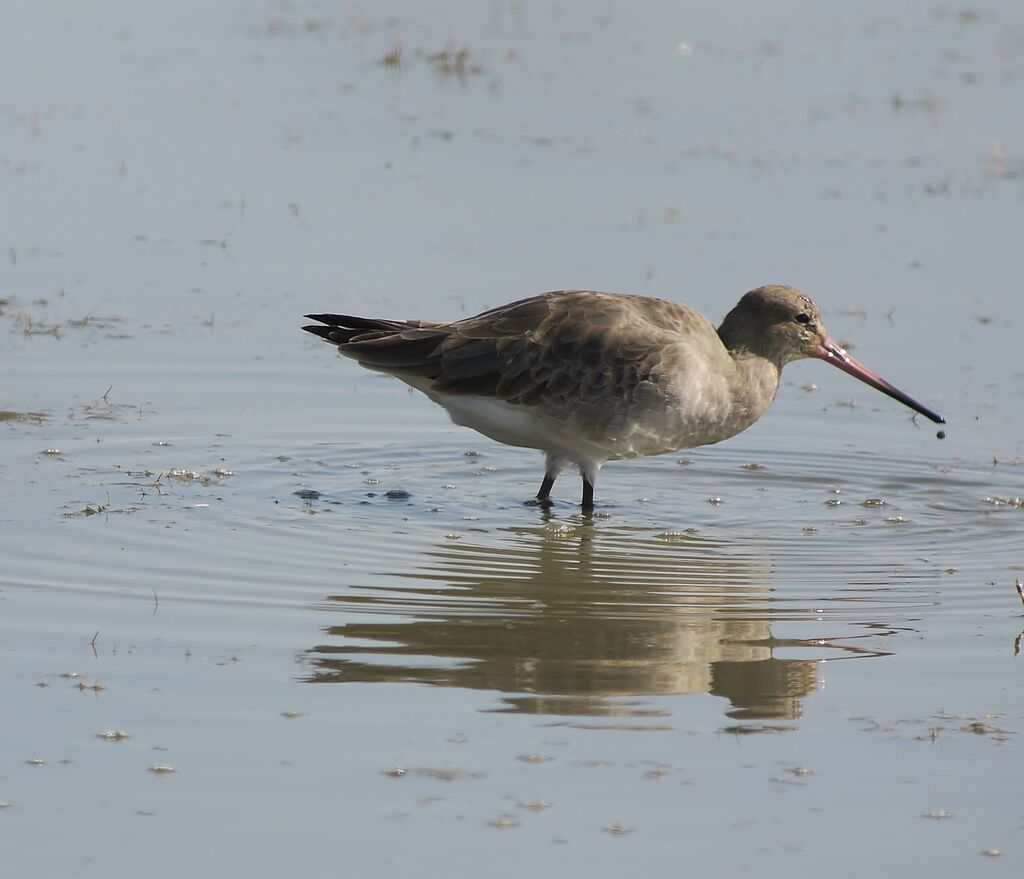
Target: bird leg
{"x":554,"y":465}
{"x":588,"y":496}
{"x":544,"y":495}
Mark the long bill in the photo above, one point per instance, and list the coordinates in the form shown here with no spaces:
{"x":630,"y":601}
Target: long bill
{"x":830,"y":352}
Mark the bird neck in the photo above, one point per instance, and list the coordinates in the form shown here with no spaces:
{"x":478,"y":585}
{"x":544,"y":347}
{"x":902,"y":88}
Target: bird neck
{"x":755,"y":384}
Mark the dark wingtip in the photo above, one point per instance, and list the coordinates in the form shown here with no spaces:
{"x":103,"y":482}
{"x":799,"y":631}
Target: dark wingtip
{"x":322,"y":332}
{"x":329,"y":323}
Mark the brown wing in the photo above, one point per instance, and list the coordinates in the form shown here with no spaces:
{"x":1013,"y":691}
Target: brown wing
{"x":574,"y":345}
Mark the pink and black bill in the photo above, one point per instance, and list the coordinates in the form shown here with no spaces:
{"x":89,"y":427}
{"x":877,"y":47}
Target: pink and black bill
{"x":830,"y":352}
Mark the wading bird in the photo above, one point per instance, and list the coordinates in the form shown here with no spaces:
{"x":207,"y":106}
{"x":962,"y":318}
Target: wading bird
{"x":593,"y":377}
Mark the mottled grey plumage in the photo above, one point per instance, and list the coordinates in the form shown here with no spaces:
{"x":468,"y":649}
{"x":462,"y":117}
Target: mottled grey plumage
{"x":590,"y":377}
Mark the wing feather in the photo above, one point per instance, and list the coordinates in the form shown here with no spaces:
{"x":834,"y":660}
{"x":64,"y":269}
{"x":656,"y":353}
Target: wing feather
{"x":552,"y":350}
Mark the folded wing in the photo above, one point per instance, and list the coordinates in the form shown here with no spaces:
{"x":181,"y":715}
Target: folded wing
{"x":547,"y":350}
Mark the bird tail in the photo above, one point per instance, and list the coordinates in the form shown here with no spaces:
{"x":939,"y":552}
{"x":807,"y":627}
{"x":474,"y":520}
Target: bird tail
{"x":343,"y":328}
{"x":400,"y":347}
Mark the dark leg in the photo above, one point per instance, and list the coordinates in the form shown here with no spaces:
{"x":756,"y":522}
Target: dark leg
{"x":588,"y":496}
{"x":543,"y":498}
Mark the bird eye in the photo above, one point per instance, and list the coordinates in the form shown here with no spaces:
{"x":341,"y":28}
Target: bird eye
{"x":802,"y":318}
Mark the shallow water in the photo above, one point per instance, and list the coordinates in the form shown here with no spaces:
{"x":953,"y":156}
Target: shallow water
{"x":799,"y":650}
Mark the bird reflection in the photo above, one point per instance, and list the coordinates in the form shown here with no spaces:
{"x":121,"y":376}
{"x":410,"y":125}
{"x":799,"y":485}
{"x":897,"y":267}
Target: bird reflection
{"x":569,"y":619}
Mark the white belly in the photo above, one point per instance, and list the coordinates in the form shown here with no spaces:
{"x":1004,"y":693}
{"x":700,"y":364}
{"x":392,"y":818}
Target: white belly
{"x":524,"y":426}
{"x":697,"y":411}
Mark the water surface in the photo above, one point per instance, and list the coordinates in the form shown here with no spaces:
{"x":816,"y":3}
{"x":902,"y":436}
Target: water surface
{"x":329,"y":611}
